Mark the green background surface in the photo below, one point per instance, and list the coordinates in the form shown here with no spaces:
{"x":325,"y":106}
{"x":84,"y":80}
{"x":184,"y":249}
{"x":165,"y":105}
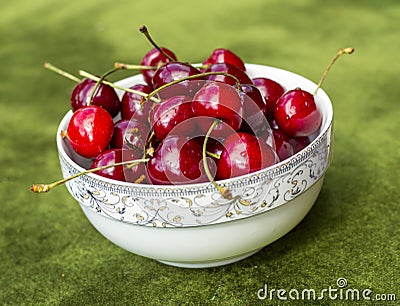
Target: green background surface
{"x":50,"y":254}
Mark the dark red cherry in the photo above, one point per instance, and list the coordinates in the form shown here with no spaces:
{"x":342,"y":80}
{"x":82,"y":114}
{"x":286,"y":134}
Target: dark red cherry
{"x":283,"y":146}
{"x":230,"y":69}
{"x":272,"y":123}
{"x":131,"y":132}
{"x":90,"y":130}
{"x":174,"y":113}
{"x":177,"y":160}
{"x":216,"y":100}
{"x":254,"y":121}
{"x":221,"y":55}
{"x":173,"y":71}
{"x":155,"y":58}
{"x":121,"y":172}
{"x":105,"y":96}
{"x":271,"y":91}
{"x":297,"y":114}
{"x":132,"y":105}
{"x":299,"y":143}
{"x":242,"y":154}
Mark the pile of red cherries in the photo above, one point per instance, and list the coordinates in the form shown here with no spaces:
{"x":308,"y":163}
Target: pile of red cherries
{"x":161,"y":130}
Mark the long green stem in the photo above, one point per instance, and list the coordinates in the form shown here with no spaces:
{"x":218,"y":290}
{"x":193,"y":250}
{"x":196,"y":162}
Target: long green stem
{"x":53,"y":68}
{"x":225,"y":192}
{"x":95,"y":78}
{"x":133,"y":67}
{"x":40,"y":188}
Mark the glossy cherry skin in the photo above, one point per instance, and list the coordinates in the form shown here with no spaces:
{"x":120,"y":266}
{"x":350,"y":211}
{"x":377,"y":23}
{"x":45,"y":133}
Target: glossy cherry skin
{"x":271,"y":91}
{"x":254,"y":121}
{"x":132,"y":105}
{"x":121,"y":172}
{"x":174,"y":71}
{"x":105,"y":97}
{"x":132,"y":133}
{"x":90,"y":130}
{"x":177,"y":160}
{"x":297,"y":114}
{"x":221,"y":55}
{"x":154,"y":58}
{"x":173,"y":114}
{"x":242,"y":154}
{"x":216,"y":100}
{"x":230,"y":69}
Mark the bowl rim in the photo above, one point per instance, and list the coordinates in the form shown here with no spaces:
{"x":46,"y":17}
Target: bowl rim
{"x":265,"y":173}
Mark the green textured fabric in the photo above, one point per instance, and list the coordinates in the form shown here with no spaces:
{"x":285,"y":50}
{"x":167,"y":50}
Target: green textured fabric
{"x":49,"y":252}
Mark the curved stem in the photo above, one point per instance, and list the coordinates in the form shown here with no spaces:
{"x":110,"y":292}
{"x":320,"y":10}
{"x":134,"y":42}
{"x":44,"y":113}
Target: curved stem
{"x":40,"y":188}
{"x":225,"y":192}
{"x":100,"y":80}
{"x":340,"y":53}
{"x":143,"y":29}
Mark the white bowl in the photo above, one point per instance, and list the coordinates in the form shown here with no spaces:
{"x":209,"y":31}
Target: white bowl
{"x":192,"y":225}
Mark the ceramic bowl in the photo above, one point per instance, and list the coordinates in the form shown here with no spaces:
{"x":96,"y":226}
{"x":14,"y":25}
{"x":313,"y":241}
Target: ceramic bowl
{"x":192,"y":225}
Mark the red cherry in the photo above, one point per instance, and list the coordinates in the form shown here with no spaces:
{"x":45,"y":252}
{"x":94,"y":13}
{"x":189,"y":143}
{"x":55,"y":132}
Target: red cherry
{"x":174,"y":71}
{"x":120,"y":173}
{"x":230,"y":69}
{"x":131,"y":132}
{"x":271,"y":91}
{"x":297,"y":114}
{"x":216,"y":100}
{"x":177,"y":160}
{"x":283,"y":146}
{"x":155,"y":58}
{"x":105,"y":96}
{"x":299,"y":143}
{"x":90,"y":130}
{"x":131,"y":104}
{"x":254,"y":121}
{"x":222,"y":55}
{"x":242,"y":154}
{"x":174,"y":113}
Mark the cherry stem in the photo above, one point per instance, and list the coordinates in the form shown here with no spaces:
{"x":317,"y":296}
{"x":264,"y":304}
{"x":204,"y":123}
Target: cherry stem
{"x":100,"y":80}
{"x":95,"y":78}
{"x":124,"y":66}
{"x":338,"y":54}
{"x":53,"y":68}
{"x":216,"y":156}
{"x":143,"y":29}
{"x":191,"y":77}
{"x":40,"y":188}
{"x":225,"y":192}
